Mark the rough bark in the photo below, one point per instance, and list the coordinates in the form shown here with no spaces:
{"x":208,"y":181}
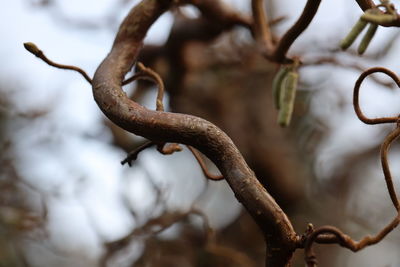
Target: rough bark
{"x":159,"y":126}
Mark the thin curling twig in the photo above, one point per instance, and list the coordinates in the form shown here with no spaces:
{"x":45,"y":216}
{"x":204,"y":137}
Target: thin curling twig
{"x":385,"y":165}
{"x":31,"y":47}
{"x":149,"y":74}
{"x":203,"y":166}
{"x":146,"y":73}
{"x":345,"y":240}
{"x":356,"y":103}
{"x":334,"y":234}
{"x":157,"y":79}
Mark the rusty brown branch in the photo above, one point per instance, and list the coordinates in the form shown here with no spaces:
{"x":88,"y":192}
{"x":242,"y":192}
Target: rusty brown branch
{"x":356,"y":103}
{"x":180,"y":128}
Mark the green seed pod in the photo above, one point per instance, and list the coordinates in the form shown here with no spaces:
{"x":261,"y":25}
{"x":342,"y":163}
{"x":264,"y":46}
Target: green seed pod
{"x":287,"y":98}
{"x":31,"y":47}
{"x":352,"y":35}
{"x":277,"y":84}
{"x":379,"y":18}
{"x":367,"y":38}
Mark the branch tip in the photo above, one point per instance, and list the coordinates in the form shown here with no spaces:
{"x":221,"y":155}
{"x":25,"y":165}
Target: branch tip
{"x":31,"y":47}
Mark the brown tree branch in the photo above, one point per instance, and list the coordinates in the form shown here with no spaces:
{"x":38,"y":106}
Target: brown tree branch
{"x":309,"y":11}
{"x":277,"y":53}
{"x":164,"y":127}
{"x":366,"y":4}
{"x":161,"y":127}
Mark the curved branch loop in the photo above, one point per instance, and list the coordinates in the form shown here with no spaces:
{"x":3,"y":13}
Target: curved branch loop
{"x":334,"y":234}
{"x":356,"y":103}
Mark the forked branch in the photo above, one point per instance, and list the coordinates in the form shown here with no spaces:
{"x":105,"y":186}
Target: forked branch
{"x":277,"y":53}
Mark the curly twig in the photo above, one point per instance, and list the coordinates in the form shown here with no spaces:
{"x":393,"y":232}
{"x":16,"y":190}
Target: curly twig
{"x":385,"y":166}
{"x":334,"y":234}
{"x":345,"y":240}
{"x":203,"y":166}
{"x":356,"y":103}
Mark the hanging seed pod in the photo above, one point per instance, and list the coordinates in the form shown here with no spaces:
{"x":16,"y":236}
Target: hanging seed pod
{"x":287,"y":98}
{"x":277,"y":85}
{"x":352,"y":35}
{"x":367,"y":38}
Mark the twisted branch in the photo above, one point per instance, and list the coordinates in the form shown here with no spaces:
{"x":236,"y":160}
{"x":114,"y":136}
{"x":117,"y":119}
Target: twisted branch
{"x":162,"y":127}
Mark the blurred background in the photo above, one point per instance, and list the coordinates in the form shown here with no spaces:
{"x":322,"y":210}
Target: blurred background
{"x":67,"y":201}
